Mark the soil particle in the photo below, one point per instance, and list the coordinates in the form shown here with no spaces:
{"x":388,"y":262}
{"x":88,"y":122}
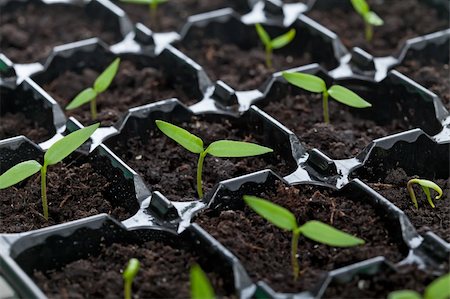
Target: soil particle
{"x":15,"y":124}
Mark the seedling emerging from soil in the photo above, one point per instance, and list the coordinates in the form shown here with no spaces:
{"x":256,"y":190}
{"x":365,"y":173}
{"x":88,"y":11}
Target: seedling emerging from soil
{"x":276,"y":43}
{"x":100,"y":85}
{"x":220,"y":149}
{"x":314,"y":230}
{"x":426,"y":185}
{"x":200,"y":286}
{"x":370,"y":18}
{"x":55,"y":154}
{"x":128,"y":275}
{"x":152,"y":5}
{"x":438,"y":289}
{"x":316,"y":84}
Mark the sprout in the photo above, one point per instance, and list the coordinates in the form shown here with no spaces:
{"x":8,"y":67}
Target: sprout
{"x":314,"y":230}
{"x":200,"y":286}
{"x":56,"y":153}
{"x":276,"y":43}
{"x":220,"y":149}
{"x":128,"y":275}
{"x":152,"y":5}
{"x":438,"y":289}
{"x":426,"y":185}
{"x":100,"y":85}
{"x":315,"y":84}
{"x":370,"y":18}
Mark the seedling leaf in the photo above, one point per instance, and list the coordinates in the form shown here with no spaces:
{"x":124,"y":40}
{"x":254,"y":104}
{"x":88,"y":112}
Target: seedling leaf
{"x":82,"y":98}
{"x":234,"y":149}
{"x":439,"y":288}
{"x":361,"y":6}
{"x":273,"y":213}
{"x":347,"y":97}
{"x":200,"y":286}
{"x":263,"y":35}
{"x":187,"y":140}
{"x":283,"y":40}
{"x":104,"y":80}
{"x":18,"y":173}
{"x":373,"y":19}
{"x":404,"y":294}
{"x":306,"y":81}
{"x":64,"y":147}
{"x":425,"y":184}
{"x":326,"y":234}
{"x":131,"y":270}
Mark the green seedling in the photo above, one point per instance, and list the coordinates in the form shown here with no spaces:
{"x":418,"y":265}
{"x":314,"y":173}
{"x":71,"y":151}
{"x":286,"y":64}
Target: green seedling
{"x":426,"y":185}
{"x":276,"y":43}
{"x":438,"y":289}
{"x":200,"y":286}
{"x":89,"y":95}
{"x":370,"y":18}
{"x":152,"y":5}
{"x":314,"y":230}
{"x":316,"y":84}
{"x":128,"y":275}
{"x":55,"y":154}
{"x":220,"y":149}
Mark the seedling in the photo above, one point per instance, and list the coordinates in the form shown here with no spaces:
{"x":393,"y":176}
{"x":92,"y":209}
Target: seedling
{"x":316,"y":84}
{"x":152,"y":5}
{"x":426,"y":185}
{"x":438,"y":289}
{"x":276,"y":43}
{"x":89,"y":95}
{"x":370,"y":18}
{"x":128,"y":275}
{"x":56,"y":153}
{"x":314,"y":230}
{"x":220,"y":149}
{"x":200,"y":286}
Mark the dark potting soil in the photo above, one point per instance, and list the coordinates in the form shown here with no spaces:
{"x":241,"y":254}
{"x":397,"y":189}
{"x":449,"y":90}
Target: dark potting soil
{"x":164,"y":273}
{"x":74,"y":190}
{"x":402,"y":20}
{"x":425,"y":218}
{"x":380,"y":285}
{"x":170,"y":169}
{"x":431,"y":74}
{"x":29,"y":33}
{"x":15,"y":124}
{"x":265,"y":250}
{"x":172,"y":16}
{"x":133,"y":86}
{"x":345,"y":136}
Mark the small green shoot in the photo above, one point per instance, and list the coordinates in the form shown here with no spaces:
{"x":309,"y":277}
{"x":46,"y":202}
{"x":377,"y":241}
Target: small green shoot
{"x":152,"y":5}
{"x":438,"y":289}
{"x":55,"y":154}
{"x":426,"y":185}
{"x":316,"y":84}
{"x":220,"y":149}
{"x":276,"y":43}
{"x":370,"y":18}
{"x":128,"y":275}
{"x":100,"y":85}
{"x":200,"y":286}
{"x":314,"y":230}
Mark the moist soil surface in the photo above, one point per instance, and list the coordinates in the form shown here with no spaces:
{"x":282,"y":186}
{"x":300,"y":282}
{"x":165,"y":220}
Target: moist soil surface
{"x":345,"y":136}
{"x":29,"y":33}
{"x":164,"y":273}
{"x":265,"y":250}
{"x":170,"y":169}
{"x":425,"y":218}
{"x":431,"y":74}
{"x":380,"y":285}
{"x":15,"y":124}
{"x":172,"y":15}
{"x":402,"y":20}
{"x":132,"y":86}
{"x":74,"y":191}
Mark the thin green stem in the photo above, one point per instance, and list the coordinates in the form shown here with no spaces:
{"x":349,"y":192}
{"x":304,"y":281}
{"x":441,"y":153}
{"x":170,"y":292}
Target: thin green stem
{"x":368,"y":29}
{"x":294,"y":260}
{"x":127,"y":289}
{"x":94,"y":108}
{"x":153,"y":13}
{"x":410,"y":188}
{"x":44,"y":190}
{"x":201,"y":158}
{"x":269,"y":57}
{"x":326,"y":116}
